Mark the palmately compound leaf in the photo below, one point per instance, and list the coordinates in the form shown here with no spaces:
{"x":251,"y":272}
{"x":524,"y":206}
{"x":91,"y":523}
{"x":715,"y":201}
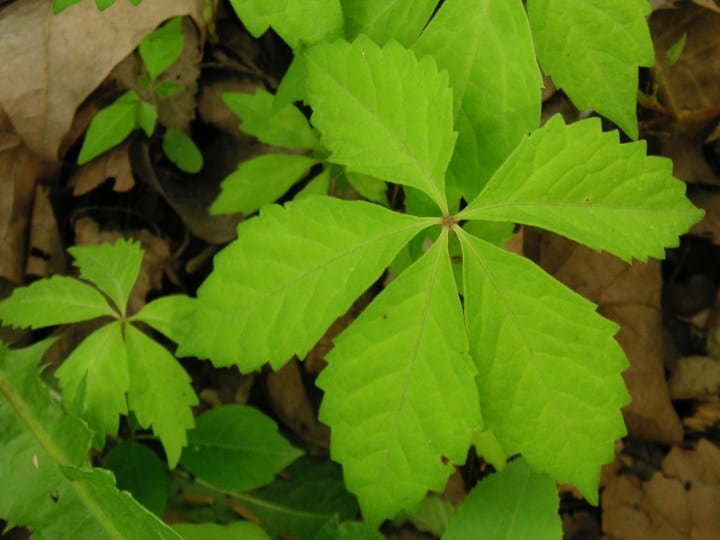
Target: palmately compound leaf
{"x":39,"y":441}
{"x":162,"y":47}
{"x":400,"y":395}
{"x":113,"y":268}
{"x":550,"y":384}
{"x":582,"y":183}
{"x":169,"y":315}
{"x":515,"y":504}
{"x":110,"y":126}
{"x":159,"y":392}
{"x":52,"y":301}
{"x":592,"y":49}
{"x":237,"y":448}
{"x":94,"y":379}
{"x":291,"y":272}
{"x":488,"y":52}
{"x":286,"y":127}
{"x":289,"y":18}
{"x":383,"y":20}
{"x":259,"y":181}
{"x":383,"y":113}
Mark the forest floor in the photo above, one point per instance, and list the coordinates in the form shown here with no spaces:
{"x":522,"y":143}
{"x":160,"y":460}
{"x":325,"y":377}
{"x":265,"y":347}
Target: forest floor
{"x":665,"y":481}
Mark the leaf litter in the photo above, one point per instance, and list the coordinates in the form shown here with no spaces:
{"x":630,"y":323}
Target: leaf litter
{"x":37,"y":135}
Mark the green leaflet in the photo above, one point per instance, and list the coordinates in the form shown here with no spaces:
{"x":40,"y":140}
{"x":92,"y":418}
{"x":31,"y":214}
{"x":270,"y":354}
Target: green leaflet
{"x":298,"y":22}
{"x":94,"y":379}
{"x":39,"y":441}
{"x":113,"y":268}
{"x":383,"y":113}
{"x":488,"y":51}
{"x":592,"y":50}
{"x":169,"y":314}
{"x":140,"y":471}
{"x":399,"y":390}
{"x":259,"y":181}
{"x":161,"y":48}
{"x":237,"y":448}
{"x":313,"y":256}
{"x":550,"y":386}
{"x":580,"y":182}
{"x":110,"y":126}
{"x":182,"y":151}
{"x":515,"y":504}
{"x":286,"y":127}
{"x":52,"y":301}
{"x":159,"y":392}
{"x":385,"y":20}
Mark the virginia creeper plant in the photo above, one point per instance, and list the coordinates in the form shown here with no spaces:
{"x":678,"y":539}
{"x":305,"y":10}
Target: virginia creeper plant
{"x":113,"y":124}
{"x":489,"y":352}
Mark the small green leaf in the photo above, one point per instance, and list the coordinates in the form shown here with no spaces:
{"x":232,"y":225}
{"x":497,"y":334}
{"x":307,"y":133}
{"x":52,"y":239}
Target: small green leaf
{"x":286,"y":126}
{"x":168,"y":89}
{"x":237,"y":448}
{"x":580,"y":182}
{"x":39,"y":443}
{"x":110,"y":126}
{"x":515,"y":504}
{"x":237,"y":530}
{"x":349,"y":530}
{"x":383,"y":113}
{"x":61,"y":5}
{"x":673,"y":53}
{"x":383,"y":20}
{"x":315,"y":255}
{"x":592,"y":50}
{"x":259,"y":181}
{"x":94,"y":379}
{"x":289,"y":18}
{"x":104,"y":4}
{"x":52,"y":301}
{"x":138,"y":469}
{"x":168,"y":314}
{"x":320,"y":185}
{"x":373,"y":189}
{"x":159,"y":393}
{"x":553,"y":399}
{"x":147,"y":117}
{"x":298,"y":505}
{"x":113,"y":268}
{"x":399,"y":389}
{"x":162,"y":47}
{"x":182,"y":151}
{"x":487,"y":49}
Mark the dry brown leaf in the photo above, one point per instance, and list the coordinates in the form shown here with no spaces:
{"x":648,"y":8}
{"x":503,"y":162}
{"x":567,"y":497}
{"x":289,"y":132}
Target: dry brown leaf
{"x":691,"y":84}
{"x":630,"y":296}
{"x":115,"y":164}
{"x":47,"y":253}
{"x":708,"y":4}
{"x":695,"y":377}
{"x":49,"y":71}
{"x":20,"y":171}
{"x":290,"y":403}
{"x":678,"y":503}
{"x":709,"y":225}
